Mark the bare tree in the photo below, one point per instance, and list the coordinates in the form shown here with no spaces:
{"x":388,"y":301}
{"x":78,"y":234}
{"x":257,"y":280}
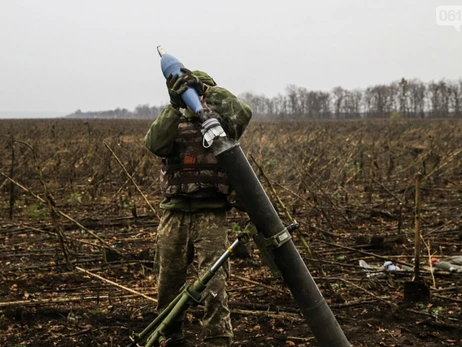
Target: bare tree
{"x":352,"y":103}
{"x":315,"y":104}
{"x":438,"y":94}
{"x":281,"y":106}
{"x":416,"y":94}
{"x":338,"y":97}
{"x":380,"y":100}
{"x":294,"y":100}
{"x":403,"y":98}
{"x":455,"y":98}
{"x":324,"y":99}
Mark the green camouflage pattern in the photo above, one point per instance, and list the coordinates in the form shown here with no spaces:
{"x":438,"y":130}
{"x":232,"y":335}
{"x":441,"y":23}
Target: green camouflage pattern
{"x":184,"y":204}
{"x":233,"y":114}
{"x":161,"y":135}
{"x":203,"y":234}
{"x":200,"y":181}
{"x":204,"y":77}
{"x":194,"y":227}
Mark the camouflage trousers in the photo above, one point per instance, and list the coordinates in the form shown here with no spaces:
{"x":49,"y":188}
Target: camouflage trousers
{"x":201,"y":236}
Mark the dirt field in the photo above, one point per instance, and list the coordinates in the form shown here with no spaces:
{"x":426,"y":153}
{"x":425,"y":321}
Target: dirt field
{"x":82,"y":196}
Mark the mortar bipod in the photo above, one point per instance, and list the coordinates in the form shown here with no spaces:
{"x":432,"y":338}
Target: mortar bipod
{"x":190,"y":295}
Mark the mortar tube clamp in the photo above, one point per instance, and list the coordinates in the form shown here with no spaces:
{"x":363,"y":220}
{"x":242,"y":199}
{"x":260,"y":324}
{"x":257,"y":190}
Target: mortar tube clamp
{"x":279,"y":239}
{"x":211,"y":129}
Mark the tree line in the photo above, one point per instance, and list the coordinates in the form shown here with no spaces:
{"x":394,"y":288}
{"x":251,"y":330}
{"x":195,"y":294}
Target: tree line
{"x":405,"y":98}
{"x":140,"y":112}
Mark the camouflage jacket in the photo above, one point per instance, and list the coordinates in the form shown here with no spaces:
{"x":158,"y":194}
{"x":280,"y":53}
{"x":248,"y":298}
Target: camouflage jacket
{"x":233,"y":115}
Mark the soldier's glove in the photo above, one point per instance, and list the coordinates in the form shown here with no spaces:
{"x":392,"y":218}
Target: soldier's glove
{"x":193,"y":81}
{"x":176,"y":87}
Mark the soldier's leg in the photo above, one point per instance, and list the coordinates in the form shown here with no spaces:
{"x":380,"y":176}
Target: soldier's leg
{"x":209,"y":235}
{"x":171,"y":256}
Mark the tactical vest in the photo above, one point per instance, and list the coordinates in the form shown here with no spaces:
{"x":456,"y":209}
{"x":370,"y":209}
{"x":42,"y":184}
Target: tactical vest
{"x":192,"y":170}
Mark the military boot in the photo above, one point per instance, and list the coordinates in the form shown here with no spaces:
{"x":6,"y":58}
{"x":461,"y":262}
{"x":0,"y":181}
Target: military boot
{"x":175,"y":335}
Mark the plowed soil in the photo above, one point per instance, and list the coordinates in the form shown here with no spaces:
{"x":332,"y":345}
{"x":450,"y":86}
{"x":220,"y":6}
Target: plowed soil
{"x":77,"y":233}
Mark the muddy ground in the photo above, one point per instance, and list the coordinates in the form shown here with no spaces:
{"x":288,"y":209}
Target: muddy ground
{"x":350,"y":185}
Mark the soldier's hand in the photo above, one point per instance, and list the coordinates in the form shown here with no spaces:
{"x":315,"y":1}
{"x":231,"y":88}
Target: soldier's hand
{"x":175,"y":88}
{"x":193,"y":81}
{"x":177,"y":85}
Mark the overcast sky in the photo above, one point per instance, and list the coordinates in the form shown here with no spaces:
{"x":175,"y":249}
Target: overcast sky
{"x":64,"y":55}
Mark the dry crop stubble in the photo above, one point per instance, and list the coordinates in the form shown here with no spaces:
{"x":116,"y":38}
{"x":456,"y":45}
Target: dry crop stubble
{"x":340,"y":179}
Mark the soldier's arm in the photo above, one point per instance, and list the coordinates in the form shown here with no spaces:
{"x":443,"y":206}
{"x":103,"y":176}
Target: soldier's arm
{"x":161,"y":135}
{"x":234,"y":114}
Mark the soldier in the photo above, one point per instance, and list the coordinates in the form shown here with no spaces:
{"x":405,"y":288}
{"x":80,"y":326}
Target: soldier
{"x":195,"y":192}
